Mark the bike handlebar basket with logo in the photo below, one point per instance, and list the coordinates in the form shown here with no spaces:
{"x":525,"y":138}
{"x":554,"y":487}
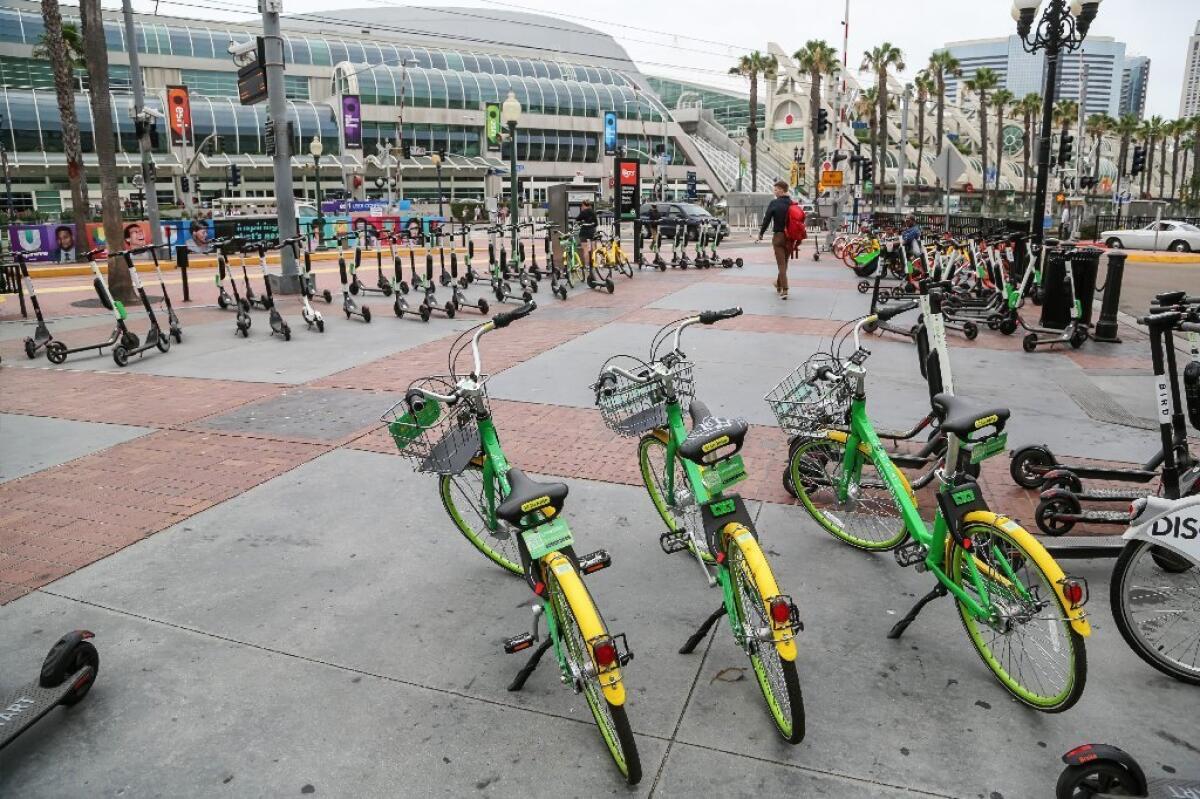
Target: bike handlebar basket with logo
{"x":438,"y":437}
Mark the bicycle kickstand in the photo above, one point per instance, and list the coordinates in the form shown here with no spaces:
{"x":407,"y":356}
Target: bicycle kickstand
{"x":519,"y":681}
{"x":699,"y":635}
{"x":902,"y":625}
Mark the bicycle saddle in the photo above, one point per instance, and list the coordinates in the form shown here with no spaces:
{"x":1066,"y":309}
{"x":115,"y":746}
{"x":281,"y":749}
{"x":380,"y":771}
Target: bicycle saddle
{"x":712,"y":438}
{"x":526,"y":496}
{"x":962,"y":417}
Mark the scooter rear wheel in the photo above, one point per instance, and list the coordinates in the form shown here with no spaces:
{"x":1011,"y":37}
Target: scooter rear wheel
{"x":1048,"y":511}
{"x":222,"y":302}
{"x":120,"y":356}
{"x":56,"y":352}
{"x":328,"y":295}
{"x":1030,"y":342}
{"x":1100,"y":777}
{"x":366,"y":314}
{"x":320,"y":325}
{"x":1078,"y":337}
{"x":58,"y":667}
{"x":1029,"y":465}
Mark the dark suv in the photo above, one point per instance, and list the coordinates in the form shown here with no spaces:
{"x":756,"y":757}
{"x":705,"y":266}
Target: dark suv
{"x":672,"y":214}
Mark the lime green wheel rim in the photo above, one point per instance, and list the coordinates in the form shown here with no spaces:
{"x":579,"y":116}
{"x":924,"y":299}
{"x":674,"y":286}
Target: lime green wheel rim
{"x":1032,"y":648}
{"x":871,"y":521}
{"x":611,"y":719}
{"x":652,"y":459}
{"x":463,"y":498}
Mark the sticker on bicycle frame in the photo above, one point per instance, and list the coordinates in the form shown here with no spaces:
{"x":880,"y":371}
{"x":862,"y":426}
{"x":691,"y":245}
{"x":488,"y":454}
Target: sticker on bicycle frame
{"x":986,"y":449}
{"x":723,"y":507}
{"x":534,"y":504}
{"x":715,"y":444}
{"x":1162,"y":399}
{"x":547,"y":538}
{"x":985,"y":421}
{"x":963,"y":496}
{"x":717,"y":515}
{"x":722,"y":475}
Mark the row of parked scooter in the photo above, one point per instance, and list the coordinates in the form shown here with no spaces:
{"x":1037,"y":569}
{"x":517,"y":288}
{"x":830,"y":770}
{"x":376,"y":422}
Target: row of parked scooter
{"x":709,"y":233}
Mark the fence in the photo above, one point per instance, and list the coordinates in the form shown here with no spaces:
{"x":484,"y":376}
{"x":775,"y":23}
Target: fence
{"x":960,"y":224}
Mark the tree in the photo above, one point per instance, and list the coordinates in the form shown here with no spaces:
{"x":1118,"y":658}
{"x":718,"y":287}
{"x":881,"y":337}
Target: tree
{"x":751,"y":66}
{"x":62,"y":46}
{"x":879,"y":60}
{"x":1165,"y":132}
{"x":866,"y":107}
{"x":96,"y":54}
{"x":1030,"y":105}
{"x":1178,"y":128}
{"x":983,"y":81}
{"x":1097,"y":126}
{"x":1194,"y":191}
{"x":1151,"y":131}
{"x":942,"y":65}
{"x":1127,"y":128}
{"x":925,"y":86}
{"x":1001,"y":100}
{"x":818,"y":58}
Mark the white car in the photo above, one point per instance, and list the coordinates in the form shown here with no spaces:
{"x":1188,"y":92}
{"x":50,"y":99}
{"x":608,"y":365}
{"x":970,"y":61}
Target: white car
{"x":1166,"y":234}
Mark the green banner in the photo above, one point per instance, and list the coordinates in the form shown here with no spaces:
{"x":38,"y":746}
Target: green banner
{"x":492,"y":126}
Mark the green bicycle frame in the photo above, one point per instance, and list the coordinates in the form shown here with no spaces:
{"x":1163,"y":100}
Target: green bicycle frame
{"x":934,"y":541}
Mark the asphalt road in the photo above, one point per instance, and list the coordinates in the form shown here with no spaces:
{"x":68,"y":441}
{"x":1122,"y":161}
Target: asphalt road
{"x":1143,"y":280}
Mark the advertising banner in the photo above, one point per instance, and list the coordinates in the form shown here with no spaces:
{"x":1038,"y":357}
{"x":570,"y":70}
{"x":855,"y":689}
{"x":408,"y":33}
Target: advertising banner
{"x":492,"y":126}
{"x":352,"y":121}
{"x":179,"y":115}
{"x":610,"y":132}
{"x":629,"y":181}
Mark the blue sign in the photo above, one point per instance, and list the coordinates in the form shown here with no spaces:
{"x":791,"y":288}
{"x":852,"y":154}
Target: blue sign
{"x":858,"y":124}
{"x":610,"y":132}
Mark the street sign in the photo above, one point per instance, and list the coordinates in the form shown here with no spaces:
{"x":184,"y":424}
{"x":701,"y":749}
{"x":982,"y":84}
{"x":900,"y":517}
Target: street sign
{"x":868,"y":186}
{"x":949,"y":166}
{"x":826,"y":166}
{"x":832,"y":177}
{"x":858,"y":125}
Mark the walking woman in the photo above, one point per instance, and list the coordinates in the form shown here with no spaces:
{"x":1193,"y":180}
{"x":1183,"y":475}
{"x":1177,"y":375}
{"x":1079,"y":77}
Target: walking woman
{"x":777,"y":217}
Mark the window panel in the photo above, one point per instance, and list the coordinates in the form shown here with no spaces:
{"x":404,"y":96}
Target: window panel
{"x":10,"y":26}
{"x":320,"y":52}
{"x":338,"y":51}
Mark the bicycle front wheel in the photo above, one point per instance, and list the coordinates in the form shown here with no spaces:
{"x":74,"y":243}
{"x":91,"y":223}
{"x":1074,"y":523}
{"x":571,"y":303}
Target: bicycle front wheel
{"x":1155,"y":596}
{"x":463,"y":497}
{"x":683,"y":514}
{"x":777,"y":677}
{"x":868,"y":518}
{"x":1029,"y":644}
{"x":611,"y":719}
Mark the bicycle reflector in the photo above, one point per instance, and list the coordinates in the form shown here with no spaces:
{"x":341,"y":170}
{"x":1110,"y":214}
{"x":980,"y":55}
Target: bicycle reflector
{"x":604,"y":650}
{"x":1074,"y":590}
{"x":781,"y":610}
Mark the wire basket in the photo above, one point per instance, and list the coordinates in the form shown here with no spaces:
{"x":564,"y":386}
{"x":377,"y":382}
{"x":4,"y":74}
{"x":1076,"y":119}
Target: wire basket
{"x":436,"y":437}
{"x":804,"y":406}
{"x":630,"y":408}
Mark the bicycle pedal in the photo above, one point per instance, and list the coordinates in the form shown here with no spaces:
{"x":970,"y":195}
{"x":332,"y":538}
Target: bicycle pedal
{"x":910,"y":553}
{"x":518,"y":642}
{"x":674,"y":541}
{"x":595,"y":561}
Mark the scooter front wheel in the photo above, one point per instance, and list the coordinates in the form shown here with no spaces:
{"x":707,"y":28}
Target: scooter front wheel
{"x":120,"y":356}
{"x":30,"y":349}
{"x":328,"y":295}
{"x":366,"y":314}
{"x":163,"y":343}
{"x":320,"y":325}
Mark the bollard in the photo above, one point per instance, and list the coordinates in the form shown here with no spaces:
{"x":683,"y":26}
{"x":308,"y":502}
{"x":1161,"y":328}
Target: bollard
{"x":637,"y":240}
{"x":181,"y":261}
{"x":1106,"y":327}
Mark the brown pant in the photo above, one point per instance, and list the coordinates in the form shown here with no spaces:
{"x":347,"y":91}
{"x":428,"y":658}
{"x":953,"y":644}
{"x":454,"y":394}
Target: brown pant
{"x":782,"y":248}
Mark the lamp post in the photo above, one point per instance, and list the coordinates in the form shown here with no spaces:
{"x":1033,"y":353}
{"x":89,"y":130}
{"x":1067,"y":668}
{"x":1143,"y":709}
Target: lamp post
{"x":1062,"y":28}
{"x":436,"y":158}
{"x":510,"y":115}
{"x":316,"y":148}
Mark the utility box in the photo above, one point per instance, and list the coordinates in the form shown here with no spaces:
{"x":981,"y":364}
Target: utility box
{"x":563,"y":201}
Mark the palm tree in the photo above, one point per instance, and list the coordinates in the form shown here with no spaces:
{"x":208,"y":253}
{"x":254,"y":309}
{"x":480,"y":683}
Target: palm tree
{"x":818,"y":58}
{"x":925,"y":86}
{"x":751,"y":66}
{"x":1194,"y":191}
{"x":1178,"y":128}
{"x":878,"y":61}
{"x":867,"y":107}
{"x":62,"y":47}
{"x":96,"y":53}
{"x":1001,"y":100}
{"x":942,"y":65}
{"x":1030,"y":105}
{"x":984,"y":80}
{"x":1097,"y":126}
{"x":1151,"y":130}
{"x":1165,"y":132}
{"x":1127,"y":128}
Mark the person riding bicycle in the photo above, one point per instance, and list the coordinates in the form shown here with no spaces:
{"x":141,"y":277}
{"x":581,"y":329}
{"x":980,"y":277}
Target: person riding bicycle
{"x":588,"y":223}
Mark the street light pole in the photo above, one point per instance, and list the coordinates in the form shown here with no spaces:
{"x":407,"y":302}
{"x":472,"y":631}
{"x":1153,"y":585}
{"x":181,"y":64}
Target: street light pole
{"x":1062,"y":28}
{"x":510,"y":115}
{"x":436,"y":158}
{"x":316,"y":147}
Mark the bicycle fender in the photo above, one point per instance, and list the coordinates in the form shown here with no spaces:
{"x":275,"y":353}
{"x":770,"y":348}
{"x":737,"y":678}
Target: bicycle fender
{"x":587,"y":616}
{"x":1040,"y":556}
{"x":764,"y":578}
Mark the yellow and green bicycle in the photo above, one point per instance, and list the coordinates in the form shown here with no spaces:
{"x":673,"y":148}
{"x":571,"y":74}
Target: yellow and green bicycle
{"x":1024,"y":617}
{"x":688,"y":474}
{"x":444,"y":425}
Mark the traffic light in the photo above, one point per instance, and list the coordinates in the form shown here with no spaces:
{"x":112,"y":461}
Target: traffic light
{"x":868,"y":170}
{"x":235,"y":175}
{"x":183,"y":183}
{"x":406,"y":150}
{"x":1066,"y":147}
{"x":822,"y":122}
{"x":1139,"y":160}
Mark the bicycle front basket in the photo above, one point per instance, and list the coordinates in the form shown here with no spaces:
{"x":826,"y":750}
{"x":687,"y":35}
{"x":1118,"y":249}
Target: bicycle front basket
{"x":629,"y":407}
{"x":436,"y":438}
{"x":803,"y":406}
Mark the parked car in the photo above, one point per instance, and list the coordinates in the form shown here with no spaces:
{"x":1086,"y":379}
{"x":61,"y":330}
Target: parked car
{"x":1166,"y":234}
{"x":671,"y":214}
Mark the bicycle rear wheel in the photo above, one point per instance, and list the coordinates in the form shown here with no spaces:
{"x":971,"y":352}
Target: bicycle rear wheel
{"x":1154,"y":594}
{"x":463,"y":497}
{"x":611,"y":719}
{"x":869,"y":520}
{"x":777,"y":678}
{"x":1031,"y":646}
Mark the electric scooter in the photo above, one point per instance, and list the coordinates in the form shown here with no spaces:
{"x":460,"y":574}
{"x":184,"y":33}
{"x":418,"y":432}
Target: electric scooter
{"x":241,"y":306}
{"x":276,"y":320}
{"x":679,"y":247}
{"x":57,"y":351}
{"x":68,"y":673}
{"x":383,"y":285}
{"x":439,"y":241}
{"x":456,"y":285}
{"x":349,"y":306}
{"x":1104,"y":771}
{"x":1075,"y":333}
{"x":252,"y":299}
{"x":497,"y":267}
{"x":429,"y":303}
{"x":308,"y":287}
{"x":41,"y":334}
{"x":727,"y":263}
{"x":656,"y":244}
{"x":172,"y":319}
{"x":154,"y":336}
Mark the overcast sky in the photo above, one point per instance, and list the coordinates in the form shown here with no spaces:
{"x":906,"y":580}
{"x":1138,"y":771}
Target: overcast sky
{"x":701,"y":38}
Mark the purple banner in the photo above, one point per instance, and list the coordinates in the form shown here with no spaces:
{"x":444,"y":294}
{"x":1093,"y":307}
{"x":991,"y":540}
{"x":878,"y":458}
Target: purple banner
{"x":44,"y":243}
{"x":352,"y":122}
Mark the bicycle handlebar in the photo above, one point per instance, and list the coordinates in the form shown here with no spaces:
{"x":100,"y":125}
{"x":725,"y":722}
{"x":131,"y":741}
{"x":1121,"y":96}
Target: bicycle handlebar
{"x":884,"y":314}
{"x":712,"y":317}
{"x":505,"y":318}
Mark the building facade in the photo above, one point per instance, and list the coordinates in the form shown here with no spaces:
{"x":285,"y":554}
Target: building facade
{"x":1134,"y":81}
{"x":1189,"y":95}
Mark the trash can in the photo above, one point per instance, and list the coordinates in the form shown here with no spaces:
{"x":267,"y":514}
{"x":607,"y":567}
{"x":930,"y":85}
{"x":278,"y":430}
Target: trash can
{"x":1056,"y":298}
{"x":1085,"y":267}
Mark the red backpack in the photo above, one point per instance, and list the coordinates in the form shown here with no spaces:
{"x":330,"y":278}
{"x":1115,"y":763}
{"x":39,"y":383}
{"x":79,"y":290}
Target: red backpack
{"x":795,"y":223}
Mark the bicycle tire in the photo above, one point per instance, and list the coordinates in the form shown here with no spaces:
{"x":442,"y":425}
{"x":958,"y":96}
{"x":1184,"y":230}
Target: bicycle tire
{"x":777,"y":678}
{"x":611,"y":720}
{"x":1155,"y":653}
{"x":472,"y":525}
{"x":984,"y":536}
{"x":652,"y":456}
{"x":815,"y":466}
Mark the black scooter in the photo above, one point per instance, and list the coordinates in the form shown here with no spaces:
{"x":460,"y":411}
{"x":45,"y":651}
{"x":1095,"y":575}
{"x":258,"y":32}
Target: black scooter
{"x":278,"y":324}
{"x":41,"y":334}
{"x":67,"y":674}
{"x":57,"y":351}
{"x":154,"y":336}
{"x":349,"y":306}
{"x":172,"y":319}
{"x":240,"y":305}
{"x":1097,"y":771}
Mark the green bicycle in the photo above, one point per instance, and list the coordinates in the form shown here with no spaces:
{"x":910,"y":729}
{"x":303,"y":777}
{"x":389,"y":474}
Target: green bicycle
{"x":1023,"y":615}
{"x":687,"y":475}
{"x":444,"y":425}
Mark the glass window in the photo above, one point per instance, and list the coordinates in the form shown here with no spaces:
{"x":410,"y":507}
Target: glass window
{"x":472,"y":94}
{"x":22,"y":121}
{"x":10,"y":26}
{"x":438,"y":91}
{"x":357,"y":53}
{"x":420,"y":87}
{"x":422,"y":57}
{"x":295,"y":87}
{"x":454,"y":61}
{"x":456,"y":92}
{"x":301,"y":51}
{"x":470,"y":62}
{"x":338,"y":51}
{"x":181,"y":43}
{"x":438,"y":59}
{"x":320,"y":52}
{"x":34,"y":27}
{"x":540,"y":69}
{"x":210,"y":82}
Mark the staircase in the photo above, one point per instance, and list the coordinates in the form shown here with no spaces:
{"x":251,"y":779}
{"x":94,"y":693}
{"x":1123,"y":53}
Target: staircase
{"x":723,"y":163}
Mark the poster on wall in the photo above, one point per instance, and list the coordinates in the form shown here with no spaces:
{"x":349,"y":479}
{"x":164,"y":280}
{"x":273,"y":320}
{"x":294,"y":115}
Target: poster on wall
{"x":352,"y":122}
{"x":179,"y":115}
{"x":492,"y":126}
{"x":610,"y":132}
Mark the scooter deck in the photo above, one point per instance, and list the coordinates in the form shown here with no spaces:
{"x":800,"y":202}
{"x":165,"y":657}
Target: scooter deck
{"x":22,"y":708}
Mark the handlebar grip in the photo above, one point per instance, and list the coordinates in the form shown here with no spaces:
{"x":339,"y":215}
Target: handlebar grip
{"x":504,"y":319}
{"x":887,"y":313}
{"x":95,"y":253}
{"x":824,"y":373}
{"x":1165,"y":319}
{"x":712,"y":317}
